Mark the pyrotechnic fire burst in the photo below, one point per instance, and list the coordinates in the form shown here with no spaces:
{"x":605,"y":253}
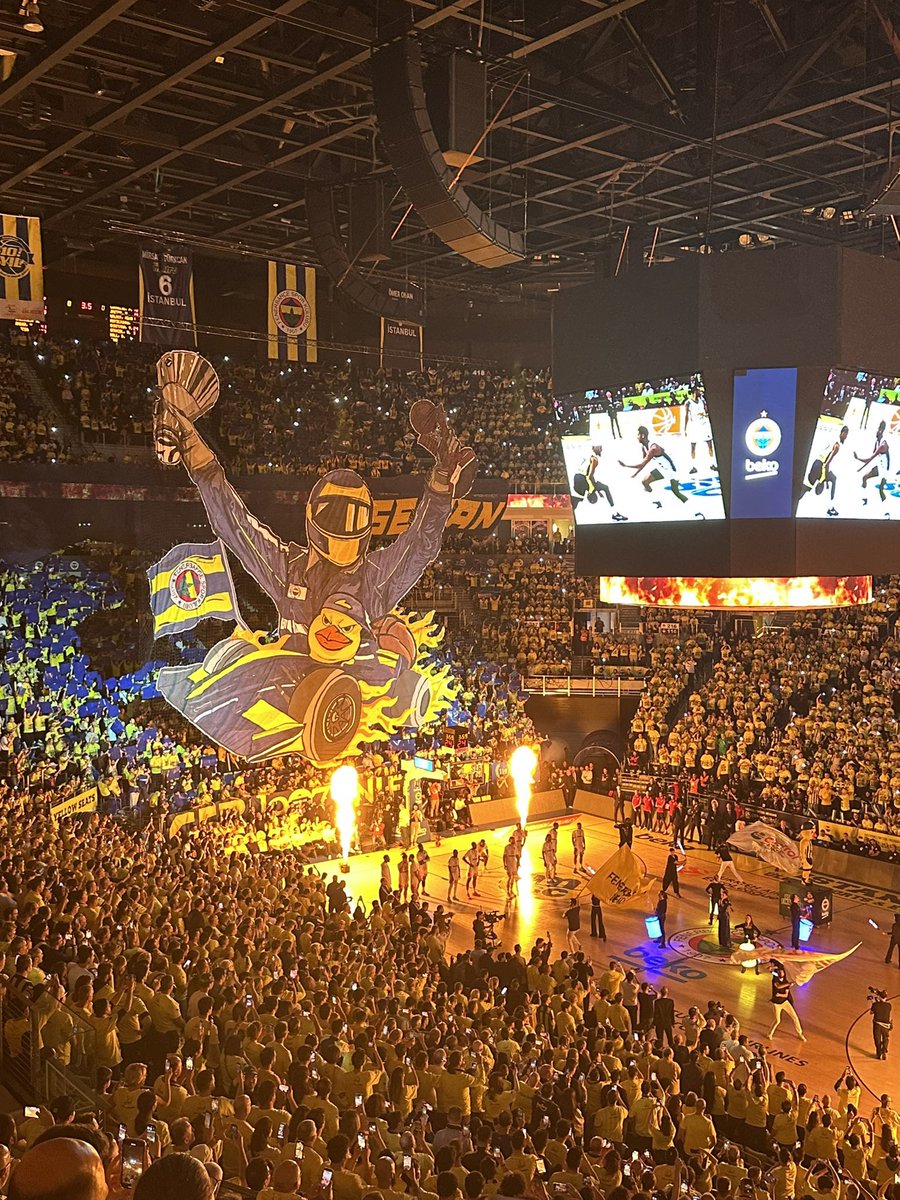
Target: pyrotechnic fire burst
{"x":344,"y":790}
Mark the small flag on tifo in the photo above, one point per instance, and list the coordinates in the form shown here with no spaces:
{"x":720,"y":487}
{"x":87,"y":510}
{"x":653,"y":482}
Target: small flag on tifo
{"x":21,"y":270}
{"x":189,"y":584}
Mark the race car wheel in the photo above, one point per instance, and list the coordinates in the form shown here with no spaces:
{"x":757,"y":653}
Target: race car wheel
{"x":328,"y":705}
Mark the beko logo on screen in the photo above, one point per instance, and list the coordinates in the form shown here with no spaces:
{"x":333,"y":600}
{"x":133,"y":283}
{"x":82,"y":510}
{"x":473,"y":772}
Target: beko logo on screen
{"x":762,"y":438}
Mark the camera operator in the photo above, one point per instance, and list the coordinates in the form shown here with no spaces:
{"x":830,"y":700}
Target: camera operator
{"x":880,"y":1008}
{"x":479,"y":929}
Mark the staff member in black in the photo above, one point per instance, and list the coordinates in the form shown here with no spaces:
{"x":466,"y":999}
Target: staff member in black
{"x":598,"y":929}
{"x":796,"y":914}
{"x":895,"y":940}
{"x":662,"y":905}
{"x":716,"y":892}
{"x":882,"y":1024}
{"x":725,"y":923}
{"x":670,"y":875}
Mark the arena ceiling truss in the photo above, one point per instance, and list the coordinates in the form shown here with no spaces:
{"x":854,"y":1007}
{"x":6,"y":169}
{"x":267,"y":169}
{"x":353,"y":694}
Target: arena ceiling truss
{"x":691,"y":124}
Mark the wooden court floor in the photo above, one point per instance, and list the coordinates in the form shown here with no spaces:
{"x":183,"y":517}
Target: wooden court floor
{"x":832,"y":1006}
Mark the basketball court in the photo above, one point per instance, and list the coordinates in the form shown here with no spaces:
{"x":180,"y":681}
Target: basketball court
{"x":832,"y":1005}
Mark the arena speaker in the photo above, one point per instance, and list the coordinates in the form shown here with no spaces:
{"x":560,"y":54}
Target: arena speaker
{"x":411,"y":146}
{"x":457,"y":98}
{"x":369,"y":213}
{"x":332,"y":253}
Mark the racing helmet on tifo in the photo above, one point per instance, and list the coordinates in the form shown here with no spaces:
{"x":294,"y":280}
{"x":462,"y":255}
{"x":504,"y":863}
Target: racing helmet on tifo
{"x":339,"y":517}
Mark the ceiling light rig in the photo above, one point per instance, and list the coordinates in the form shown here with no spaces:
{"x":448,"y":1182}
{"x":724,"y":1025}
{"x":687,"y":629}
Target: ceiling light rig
{"x":30,"y":12}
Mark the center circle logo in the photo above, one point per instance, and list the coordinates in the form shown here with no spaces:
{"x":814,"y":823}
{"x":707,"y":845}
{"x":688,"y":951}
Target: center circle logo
{"x":291,"y":312}
{"x":187,"y":586}
{"x":15,"y":256}
{"x":763,"y":436}
{"x":703,"y":943}
{"x":664,"y":420}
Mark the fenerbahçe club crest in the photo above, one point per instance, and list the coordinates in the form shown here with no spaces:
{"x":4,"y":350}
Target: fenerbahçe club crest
{"x":291,"y":312}
{"x":763,"y":436}
{"x":187,"y":586}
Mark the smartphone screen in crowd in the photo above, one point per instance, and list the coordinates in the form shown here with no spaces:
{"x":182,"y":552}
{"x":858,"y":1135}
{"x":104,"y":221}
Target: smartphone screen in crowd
{"x":132,"y":1162}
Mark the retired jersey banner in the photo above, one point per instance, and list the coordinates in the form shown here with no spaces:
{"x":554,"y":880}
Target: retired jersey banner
{"x":407,"y":298}
{"x":292,"y":313}
{"x":167,"y":316}
{"x":21,"y":270}
{"x":401,"y":345}
{"x":192,"y":582}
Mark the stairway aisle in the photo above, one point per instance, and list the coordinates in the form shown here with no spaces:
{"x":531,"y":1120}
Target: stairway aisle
{"x":44,"y":402}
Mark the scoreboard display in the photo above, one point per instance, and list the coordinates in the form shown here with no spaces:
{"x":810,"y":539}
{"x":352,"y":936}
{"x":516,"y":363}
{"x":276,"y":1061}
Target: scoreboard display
{"x":734,"y":417}
{"x":709,"y":461}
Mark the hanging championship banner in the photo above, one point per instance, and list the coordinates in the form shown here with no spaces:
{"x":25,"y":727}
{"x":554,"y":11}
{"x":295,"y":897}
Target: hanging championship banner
{"x":292,"y":313}
{"x":401,"y":345}
{"x":21,"y":270}
{"x":167,"y":316}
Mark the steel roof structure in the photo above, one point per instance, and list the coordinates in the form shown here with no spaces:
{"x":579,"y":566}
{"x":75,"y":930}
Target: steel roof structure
{"x":686,"y":122}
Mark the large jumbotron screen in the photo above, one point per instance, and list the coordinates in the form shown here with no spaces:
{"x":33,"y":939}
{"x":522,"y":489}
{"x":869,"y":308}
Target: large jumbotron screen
{"x":853,"y":465}
{"x":646,"y":455}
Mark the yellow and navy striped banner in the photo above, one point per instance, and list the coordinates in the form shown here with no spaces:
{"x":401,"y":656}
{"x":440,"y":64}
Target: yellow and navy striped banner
{"x":292,"y":313}
{"x":21,"y":270}
{"x":192,"y":582}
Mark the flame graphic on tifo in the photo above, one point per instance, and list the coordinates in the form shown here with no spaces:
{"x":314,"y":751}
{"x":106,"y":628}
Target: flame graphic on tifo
{"x":804,"y":591}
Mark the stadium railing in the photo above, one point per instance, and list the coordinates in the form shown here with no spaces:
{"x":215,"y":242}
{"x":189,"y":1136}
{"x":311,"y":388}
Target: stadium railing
{"x":569,"y":685}
{"x":29,"y":1072}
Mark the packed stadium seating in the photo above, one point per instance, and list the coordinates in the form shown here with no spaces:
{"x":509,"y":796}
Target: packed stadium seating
{"x":274,"y":417}
{"x":250,"y":1013}
{"x":25,"y":435}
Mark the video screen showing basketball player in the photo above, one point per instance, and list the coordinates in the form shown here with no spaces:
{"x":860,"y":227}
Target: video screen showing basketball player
{"x":647,"y":453}
{"x":849,"y":472}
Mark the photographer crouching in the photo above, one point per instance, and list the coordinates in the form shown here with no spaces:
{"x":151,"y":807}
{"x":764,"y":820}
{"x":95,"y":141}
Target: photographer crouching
{"x":880,"y":1008}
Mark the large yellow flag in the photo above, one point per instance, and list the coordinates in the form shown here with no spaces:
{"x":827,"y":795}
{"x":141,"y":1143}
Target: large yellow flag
{"x":621,"y":880}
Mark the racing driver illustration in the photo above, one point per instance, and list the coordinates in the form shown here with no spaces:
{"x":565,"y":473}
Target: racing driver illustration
{"x":339,"y":644}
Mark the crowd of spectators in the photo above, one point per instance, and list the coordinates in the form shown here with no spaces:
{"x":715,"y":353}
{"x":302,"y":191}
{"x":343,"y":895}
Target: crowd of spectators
{"x":803,"y":720}
{"x":26,"y":433}
{"x":282,"y":418}
{"x":297,"y":1041}
{"x":68,"y":726}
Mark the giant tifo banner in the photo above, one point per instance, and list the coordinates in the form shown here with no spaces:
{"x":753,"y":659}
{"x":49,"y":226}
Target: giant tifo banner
{"x":166,"y":313}
{"x":807,"y":591}
{"x":350,"y":665}
{"x":21,"y":269}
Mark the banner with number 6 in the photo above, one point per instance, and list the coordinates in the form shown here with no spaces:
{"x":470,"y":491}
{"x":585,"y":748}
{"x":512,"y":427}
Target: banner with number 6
{"x":167,"y":316}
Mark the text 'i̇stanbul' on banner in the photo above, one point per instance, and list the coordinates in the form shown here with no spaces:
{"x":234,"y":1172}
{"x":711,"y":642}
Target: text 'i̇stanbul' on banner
{"x":21,"y":270}
{"x":401,"y":341}
{"x":167,"y":316}
{"x":291,"y":313}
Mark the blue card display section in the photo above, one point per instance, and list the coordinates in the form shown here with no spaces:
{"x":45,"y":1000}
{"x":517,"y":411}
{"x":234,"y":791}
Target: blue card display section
{"x":762,"y":447}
